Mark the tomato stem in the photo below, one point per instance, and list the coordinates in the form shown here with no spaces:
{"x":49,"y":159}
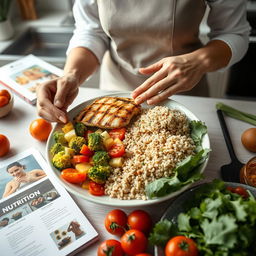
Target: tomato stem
{"x":109,"y":251}
{"x":184,"y":246}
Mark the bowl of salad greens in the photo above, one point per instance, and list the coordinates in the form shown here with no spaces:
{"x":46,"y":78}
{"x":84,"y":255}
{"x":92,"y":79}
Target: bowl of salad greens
{"x":219,"y":217}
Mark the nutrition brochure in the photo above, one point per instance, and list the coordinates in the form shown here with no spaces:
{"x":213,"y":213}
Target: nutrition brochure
{"x":37,"y":215}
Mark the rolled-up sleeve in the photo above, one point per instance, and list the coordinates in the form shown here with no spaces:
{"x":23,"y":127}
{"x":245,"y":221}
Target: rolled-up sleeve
{"x":227,"y":22}
{"x":88,"y":32}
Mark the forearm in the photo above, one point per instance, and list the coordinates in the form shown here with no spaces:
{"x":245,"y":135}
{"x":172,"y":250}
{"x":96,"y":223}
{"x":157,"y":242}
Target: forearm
{"x":215,"y":55}
{"x":81,"y":63}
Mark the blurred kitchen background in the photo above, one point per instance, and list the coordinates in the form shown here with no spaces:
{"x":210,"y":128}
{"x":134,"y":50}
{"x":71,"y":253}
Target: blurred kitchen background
{"x":44,"y":28}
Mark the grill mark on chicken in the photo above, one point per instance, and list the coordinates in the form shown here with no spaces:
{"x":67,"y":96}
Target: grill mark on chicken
{"x":108,"y":112}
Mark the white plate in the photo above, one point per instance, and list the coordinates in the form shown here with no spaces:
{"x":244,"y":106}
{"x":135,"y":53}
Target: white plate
{"x":106,"y":200}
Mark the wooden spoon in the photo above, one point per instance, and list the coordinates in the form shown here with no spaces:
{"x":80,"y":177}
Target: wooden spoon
{"x":229,"y":172}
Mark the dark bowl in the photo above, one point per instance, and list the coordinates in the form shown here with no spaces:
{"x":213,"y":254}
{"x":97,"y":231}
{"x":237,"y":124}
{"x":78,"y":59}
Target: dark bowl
{"x":178,"y":206}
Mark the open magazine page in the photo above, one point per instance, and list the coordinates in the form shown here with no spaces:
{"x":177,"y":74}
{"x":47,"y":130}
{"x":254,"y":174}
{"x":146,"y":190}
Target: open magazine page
{"x":25,"y":74}
{"x":37,"y":215}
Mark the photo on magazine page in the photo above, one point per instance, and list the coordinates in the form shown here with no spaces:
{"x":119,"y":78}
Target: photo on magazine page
{"x":67,"y":234}
{"x":32,"y":76}
{"x":18,"y":174}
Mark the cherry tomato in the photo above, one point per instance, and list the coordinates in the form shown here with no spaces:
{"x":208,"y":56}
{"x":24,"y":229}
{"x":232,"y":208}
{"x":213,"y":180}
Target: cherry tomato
{"x":117,"y":133}
{"x":143,"y":254}
{"x":5,"y":93}
{"x":181,"y":246}
{"x":115,"y":222}
{"x":86,"y":151}
{"x":3,"y":101}
{"x":117,"y":150}
{"x":80,"y":159}
{"x":110,"y":247}
{"x":242,"y":192}
{"x":73,"y":176}
{"x":96,"y":189}
{"x":40,"y":129}
{"x":133,"y":242}
{"x":140,"y":220}
{"x":4,"y":145}
{"x":238,"y":190}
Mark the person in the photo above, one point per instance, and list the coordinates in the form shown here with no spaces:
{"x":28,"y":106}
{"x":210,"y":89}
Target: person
{"x":20,"y":177}
{"x":149,"y":47}
{"x":74,"y":226}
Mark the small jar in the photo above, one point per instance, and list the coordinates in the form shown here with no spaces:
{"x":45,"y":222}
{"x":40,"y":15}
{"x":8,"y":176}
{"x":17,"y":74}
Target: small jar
{"x":248,"y":173}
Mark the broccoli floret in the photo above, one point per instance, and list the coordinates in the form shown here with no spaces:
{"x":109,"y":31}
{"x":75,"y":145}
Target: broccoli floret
{"x":61,"y":160}
{"x":99,"y":173}
{"x":80,"y":129}
{"x":56,"y":148}
{"x":59,"y":137}
{"x":76,"y":143}
{"x":100,"y":158}
{"x":95,"y":142}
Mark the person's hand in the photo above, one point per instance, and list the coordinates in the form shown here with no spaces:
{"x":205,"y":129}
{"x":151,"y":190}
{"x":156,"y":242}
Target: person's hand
{"x":170,"y":75}
{"x":54,"y":97}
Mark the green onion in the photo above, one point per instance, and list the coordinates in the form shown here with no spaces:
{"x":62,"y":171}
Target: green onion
{"x":237,"y":114}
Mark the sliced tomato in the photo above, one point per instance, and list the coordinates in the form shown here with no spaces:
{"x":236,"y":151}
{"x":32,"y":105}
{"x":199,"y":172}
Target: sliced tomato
{"x":80,"y":159}
{"x":73,"y":176}
{"x":96,"y":189}
{"x":86,"y":151}
{"x":117,"y":150}
{"x":117,"y":133}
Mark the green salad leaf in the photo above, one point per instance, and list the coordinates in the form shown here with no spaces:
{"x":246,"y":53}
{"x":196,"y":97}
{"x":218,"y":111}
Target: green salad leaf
{"x":220,"y":222}
{"x":162,"y":232}
{"x":186,"y":171}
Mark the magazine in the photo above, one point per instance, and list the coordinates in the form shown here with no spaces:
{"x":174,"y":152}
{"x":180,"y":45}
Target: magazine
{"x":24,"y":75}
{"x":37,"y":215}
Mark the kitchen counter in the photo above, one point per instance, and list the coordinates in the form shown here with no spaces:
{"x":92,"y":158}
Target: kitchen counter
{"x":16,"y":127}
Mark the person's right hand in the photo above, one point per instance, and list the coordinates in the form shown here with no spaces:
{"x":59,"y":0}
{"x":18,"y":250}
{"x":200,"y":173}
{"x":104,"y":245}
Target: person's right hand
{"x":54,"y":97}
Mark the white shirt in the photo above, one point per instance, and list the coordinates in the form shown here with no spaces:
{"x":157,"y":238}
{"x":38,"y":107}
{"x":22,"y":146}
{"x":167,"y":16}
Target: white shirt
{"x":226,"y":20}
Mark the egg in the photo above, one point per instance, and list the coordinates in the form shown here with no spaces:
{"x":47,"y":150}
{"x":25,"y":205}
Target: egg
{"x":248,"y":139}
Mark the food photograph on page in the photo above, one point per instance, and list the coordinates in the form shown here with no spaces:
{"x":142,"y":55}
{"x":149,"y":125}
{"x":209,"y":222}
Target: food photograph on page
{"x":67,"y":234}
{"x":33,"y":76}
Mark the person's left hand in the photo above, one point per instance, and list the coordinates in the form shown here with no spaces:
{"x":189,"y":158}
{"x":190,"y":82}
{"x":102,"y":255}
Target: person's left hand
{"x":171,"y":75}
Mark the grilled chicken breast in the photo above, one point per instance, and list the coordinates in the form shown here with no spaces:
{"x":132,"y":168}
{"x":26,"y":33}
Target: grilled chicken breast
{"x":109,"y":112}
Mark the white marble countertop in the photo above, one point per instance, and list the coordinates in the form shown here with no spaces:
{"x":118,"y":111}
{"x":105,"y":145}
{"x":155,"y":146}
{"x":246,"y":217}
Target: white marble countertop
{"x":16,"y":127}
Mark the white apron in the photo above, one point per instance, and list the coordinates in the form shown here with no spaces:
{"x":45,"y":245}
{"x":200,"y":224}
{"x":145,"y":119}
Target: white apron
{"x":142,"y":32}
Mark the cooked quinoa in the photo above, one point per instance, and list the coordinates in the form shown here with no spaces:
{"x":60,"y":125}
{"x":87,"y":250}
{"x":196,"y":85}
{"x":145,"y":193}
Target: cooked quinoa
{"x":155,"y":142}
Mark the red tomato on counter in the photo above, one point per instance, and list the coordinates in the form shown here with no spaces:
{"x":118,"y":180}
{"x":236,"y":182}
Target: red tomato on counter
{"x":115,"y":222}
{"x":140,"y":220}
{"x":4,"y":145}
{"x":182,"y":246}
{"x":110,"y":247}
{"x":133,"y":242}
